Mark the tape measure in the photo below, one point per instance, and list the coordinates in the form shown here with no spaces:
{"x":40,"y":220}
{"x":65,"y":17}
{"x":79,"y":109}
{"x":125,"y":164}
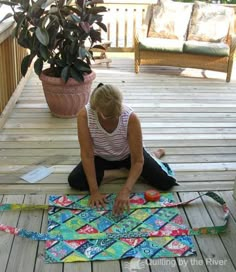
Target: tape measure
{"x":152,"y":195}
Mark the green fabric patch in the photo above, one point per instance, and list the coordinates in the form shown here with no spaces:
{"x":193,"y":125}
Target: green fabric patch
{"x":206,"y":48}
{"x":158,"y":44}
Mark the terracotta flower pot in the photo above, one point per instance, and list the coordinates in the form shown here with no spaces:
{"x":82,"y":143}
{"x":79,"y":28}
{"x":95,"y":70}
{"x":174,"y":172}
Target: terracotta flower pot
{"x":66,"y":99}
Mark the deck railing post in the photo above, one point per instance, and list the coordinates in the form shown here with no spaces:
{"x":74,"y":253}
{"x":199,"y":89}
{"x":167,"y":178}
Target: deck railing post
{"x":11,"y":55}
{"x":234,"y":192}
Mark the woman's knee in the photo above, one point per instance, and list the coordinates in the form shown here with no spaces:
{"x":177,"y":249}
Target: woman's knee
{"x":157,"y":173}
{"x":77,"y":179}
{"x":167,"y":183}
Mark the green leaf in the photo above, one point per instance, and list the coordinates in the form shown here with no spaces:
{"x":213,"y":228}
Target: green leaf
{"x":69,"y":57}
{"x":95,"y":10}
{"x":98,"y":46}
{"x":38,"y":66}
{"x":85,"y":26}
{"x":61,"y":3}
{"x":75,"y":18}
{"x":80,"y":65}
{"x":94,"y":2}
{"x":43,"y":52}
{"x":41,"y":3}
{"x":77,"y":75}
{"x":36,"y":11}
{"x":42,"y":35}
{"x":19,"y":24}
{"x":24,"y":38}
{"x":54,"y":22}
{"x":25,"y":4}
{"x":83,"y":52}
{"x":65,"y":73}
{"x":70,"y":2}
{"x":73,"y":48}
{"x":46,"y":3}
{"x":95,"y":36}
{"x":81,"y":3}
{"x":103,"y":27}
{"x":60,"y":63}
{"x":53,"y":10}
{"x":75,"y":10}
{"x":25,"y":64}
{"x":45,"y":22}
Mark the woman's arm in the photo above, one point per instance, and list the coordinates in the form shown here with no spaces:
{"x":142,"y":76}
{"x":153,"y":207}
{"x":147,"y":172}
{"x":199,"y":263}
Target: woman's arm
{"x":136,"y":152}
{"x":87,"y":158}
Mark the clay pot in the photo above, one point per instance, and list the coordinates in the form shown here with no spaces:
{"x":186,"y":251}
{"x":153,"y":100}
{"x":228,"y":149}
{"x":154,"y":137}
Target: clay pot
{"x":66,"y":99}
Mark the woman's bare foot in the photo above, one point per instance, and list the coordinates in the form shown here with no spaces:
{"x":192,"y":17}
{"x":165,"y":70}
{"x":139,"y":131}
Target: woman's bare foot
{"x":159,"y":153}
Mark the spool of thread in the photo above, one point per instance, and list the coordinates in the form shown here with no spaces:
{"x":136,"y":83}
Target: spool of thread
{"x":152,"y":195}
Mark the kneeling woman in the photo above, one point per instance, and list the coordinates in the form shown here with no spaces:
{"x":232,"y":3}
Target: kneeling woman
{"x":110,"y":137}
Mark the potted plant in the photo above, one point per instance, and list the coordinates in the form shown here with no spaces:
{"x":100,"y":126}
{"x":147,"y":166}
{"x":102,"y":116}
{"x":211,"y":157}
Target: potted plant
{"x":55,"y":33}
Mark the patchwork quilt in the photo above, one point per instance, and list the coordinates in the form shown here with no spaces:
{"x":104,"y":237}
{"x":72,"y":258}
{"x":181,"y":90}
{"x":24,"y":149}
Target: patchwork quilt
{"x":105,"y":236}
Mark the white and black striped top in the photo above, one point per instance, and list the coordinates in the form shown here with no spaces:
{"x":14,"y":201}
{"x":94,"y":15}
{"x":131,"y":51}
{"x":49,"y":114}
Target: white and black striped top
{"x":110,"y":146}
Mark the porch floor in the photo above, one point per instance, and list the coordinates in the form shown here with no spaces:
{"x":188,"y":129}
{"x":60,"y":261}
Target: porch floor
{"x":191,"y":113}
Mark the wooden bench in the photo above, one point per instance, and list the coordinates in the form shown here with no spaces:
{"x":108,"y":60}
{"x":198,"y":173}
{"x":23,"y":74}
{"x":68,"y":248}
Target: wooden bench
{"x":164,"y":57}
{"x":102,"y":50}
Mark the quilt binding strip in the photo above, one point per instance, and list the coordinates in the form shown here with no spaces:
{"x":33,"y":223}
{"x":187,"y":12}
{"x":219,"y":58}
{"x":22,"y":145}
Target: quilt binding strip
{"x":24,"y":233}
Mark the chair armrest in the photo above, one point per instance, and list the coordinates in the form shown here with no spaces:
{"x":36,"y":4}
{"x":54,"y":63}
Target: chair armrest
{"x":142,"y":31}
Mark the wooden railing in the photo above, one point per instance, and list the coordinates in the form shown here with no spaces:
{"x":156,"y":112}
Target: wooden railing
{"x":10,"y":60}
{"x":122,"y":20}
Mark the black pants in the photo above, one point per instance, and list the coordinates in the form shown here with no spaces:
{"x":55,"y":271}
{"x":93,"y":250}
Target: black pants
{"x":152,"y":172}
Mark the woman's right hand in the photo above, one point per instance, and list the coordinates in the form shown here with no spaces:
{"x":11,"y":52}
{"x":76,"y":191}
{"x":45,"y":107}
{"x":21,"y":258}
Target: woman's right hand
{"x":97,"y":200}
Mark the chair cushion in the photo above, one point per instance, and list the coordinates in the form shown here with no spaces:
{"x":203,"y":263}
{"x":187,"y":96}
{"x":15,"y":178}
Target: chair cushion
{"x":158,"y":44}
{"x":206,"y":48}
{"x":210,"y":22}
{"x":170,"y":20}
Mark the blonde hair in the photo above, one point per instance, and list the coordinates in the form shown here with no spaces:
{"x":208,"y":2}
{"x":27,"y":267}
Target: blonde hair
{"x":108,"y":99}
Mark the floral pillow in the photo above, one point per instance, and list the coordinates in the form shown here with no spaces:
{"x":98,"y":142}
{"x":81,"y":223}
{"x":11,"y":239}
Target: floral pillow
{"x":210,"y":22}
{"x":170,"y":20}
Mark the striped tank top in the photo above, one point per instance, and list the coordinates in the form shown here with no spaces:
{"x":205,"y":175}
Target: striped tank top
{"x":110,"y":146}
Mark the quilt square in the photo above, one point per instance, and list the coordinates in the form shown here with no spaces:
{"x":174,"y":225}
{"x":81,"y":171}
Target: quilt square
{"x":90,"y":234}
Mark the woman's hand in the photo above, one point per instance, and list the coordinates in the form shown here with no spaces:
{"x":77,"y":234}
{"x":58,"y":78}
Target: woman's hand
{"x":97,"y":200}
{"x":122,"y":202}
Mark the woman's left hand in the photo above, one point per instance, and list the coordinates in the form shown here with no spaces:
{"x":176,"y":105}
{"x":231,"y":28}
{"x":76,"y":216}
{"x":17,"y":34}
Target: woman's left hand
{"x":122,"y":202}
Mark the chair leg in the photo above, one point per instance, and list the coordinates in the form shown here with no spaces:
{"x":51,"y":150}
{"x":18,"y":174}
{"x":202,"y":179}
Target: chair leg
{"x":228,"y":77}
{"x":229,"y":70}
{"x":136,"y":63}
{"x":136,"y":56}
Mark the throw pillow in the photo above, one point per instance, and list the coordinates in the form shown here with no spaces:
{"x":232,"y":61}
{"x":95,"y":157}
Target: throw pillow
{"x":210,"y":22}
{"x":170,"y":20}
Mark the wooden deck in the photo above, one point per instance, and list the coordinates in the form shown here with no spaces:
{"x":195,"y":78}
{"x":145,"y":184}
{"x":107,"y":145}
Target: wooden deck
{"x":191,"y":113}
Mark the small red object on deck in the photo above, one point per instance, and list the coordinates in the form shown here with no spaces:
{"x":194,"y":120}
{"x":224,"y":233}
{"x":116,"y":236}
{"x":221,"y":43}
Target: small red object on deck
{"x":152,"y":195}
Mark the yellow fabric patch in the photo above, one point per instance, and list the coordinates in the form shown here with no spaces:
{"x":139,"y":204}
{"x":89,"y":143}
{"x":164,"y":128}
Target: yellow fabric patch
{"x":170,"y":20}
{"x":210,"y":22}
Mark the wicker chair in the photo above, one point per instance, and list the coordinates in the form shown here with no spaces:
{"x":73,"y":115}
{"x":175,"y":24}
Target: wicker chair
{"x":179,"y":59}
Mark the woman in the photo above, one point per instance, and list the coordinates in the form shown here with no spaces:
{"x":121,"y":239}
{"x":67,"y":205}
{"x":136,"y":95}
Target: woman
{"x":110,"y":137}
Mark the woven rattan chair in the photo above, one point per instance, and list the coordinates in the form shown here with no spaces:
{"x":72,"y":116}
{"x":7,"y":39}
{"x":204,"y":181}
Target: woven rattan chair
{"x":179,"y":59}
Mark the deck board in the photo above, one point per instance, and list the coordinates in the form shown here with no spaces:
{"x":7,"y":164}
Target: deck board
{"x":186,"y":264}
{"x":191,"y":113}
{"x":212,"y":248}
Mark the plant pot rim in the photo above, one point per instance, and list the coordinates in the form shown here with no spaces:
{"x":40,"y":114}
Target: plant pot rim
{"x":71,"y":81}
